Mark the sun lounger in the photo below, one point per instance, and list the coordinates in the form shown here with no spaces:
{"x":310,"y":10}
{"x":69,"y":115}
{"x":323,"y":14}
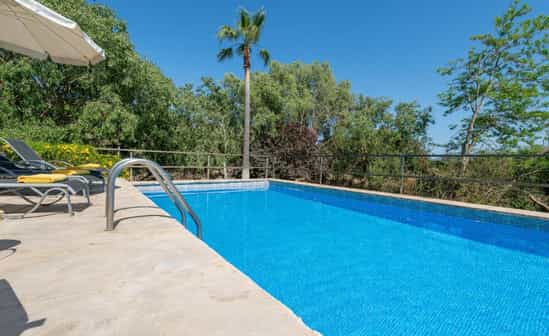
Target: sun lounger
{"x":31,"y":160}
{"x":11,"y":170}
{"x":46,"y":191}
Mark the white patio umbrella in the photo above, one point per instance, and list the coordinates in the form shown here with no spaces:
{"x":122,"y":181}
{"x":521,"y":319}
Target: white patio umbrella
{"x":32,"y":29}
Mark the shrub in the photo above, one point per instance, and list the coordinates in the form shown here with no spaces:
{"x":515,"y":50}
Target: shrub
{"x":74,"y":154}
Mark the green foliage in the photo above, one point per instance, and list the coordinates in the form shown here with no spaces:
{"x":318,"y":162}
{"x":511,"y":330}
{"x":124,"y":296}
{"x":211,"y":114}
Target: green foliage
{"x":74,"y":154}
{"x":46,"y":131}
{"x":502,"y":84}
{"x":106,"y":121}
{"x":411,"y":122}
{"x":209,"y":120}
{"x":107,"y":104}
{"x":247,"y":32}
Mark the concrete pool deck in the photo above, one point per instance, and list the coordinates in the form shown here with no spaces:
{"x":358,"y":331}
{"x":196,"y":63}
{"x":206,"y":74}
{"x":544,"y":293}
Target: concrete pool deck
{"x":62,"y":275}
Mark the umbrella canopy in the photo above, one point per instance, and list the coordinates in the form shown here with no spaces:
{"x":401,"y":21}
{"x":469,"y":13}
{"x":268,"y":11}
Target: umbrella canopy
{"x":32,"y":29}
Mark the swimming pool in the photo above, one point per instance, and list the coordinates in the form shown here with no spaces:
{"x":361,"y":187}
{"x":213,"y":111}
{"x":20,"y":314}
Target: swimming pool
{"x":355,"y":264}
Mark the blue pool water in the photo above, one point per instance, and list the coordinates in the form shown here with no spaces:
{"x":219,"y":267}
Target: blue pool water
{"x":351,"y":264}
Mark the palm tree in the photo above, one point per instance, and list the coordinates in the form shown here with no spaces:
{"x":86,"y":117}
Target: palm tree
{"x":244,"y":35}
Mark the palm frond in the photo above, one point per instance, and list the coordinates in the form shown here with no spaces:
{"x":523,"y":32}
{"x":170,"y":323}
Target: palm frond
{"x":245,"y":34}
{"x":259,"y":18}
{"x":240,"y":49}
{"x":252,"y":34}
{"x":244,"y":20}
{"x":224,"y":54}
{"x":226,"y":32}
{"x":265,"y":56}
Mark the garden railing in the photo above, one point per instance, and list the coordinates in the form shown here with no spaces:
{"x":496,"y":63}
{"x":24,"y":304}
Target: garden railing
{"x":327,"y":168}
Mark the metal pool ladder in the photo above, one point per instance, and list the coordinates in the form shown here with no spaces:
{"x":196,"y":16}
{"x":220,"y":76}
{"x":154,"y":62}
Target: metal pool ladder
{"x":165,"y":182}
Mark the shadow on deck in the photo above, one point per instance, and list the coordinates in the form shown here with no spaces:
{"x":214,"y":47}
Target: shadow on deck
{"x":13,"y":317}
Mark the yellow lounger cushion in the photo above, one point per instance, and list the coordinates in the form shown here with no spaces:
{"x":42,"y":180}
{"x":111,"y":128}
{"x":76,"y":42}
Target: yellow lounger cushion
{"x":41,"y":178}
{"x":71,"y":171}
{"x":89,"y":166}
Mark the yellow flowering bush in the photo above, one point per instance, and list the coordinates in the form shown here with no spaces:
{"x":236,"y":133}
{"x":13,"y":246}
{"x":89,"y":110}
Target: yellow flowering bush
{"x":74,"y":154}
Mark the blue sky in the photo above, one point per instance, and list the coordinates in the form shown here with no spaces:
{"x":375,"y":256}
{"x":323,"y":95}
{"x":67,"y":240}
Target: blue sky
{"x":388,"y":48}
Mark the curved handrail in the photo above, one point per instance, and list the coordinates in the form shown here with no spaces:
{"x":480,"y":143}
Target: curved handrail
{"x":165,"y":183}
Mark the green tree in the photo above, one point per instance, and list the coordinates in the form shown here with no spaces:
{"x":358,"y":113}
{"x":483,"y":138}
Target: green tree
{"x":503,"y":84}
{"x":105,"y":121}
{"x":245,"y":34}
{"x":124,"y":100}
{"x":207,"y":113}
{"x":411,"y":123}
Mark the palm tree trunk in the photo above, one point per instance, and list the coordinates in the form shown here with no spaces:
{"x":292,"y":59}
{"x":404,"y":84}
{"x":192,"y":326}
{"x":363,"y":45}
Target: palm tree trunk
{"x":246,"y":149}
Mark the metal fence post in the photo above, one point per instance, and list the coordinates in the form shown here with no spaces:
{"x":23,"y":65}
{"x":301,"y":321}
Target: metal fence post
{"x":208,"y":168}
{"x":367,"y":173}
{"x":131,"y":168}
{"x":267,"y":167}
{"x":401,"y":173}
{"x":320,"y":168}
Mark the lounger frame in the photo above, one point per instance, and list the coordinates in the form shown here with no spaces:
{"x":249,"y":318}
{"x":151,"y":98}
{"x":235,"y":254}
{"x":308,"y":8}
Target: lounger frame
{"x":58,"y":190}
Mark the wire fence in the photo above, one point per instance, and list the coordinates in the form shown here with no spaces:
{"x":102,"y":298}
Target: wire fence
{"x":482,"y":168}
{"x":324,"y":168}
{"x":489,"y":178}
{"x":495,"y":169}
{"x":193,"y":165}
